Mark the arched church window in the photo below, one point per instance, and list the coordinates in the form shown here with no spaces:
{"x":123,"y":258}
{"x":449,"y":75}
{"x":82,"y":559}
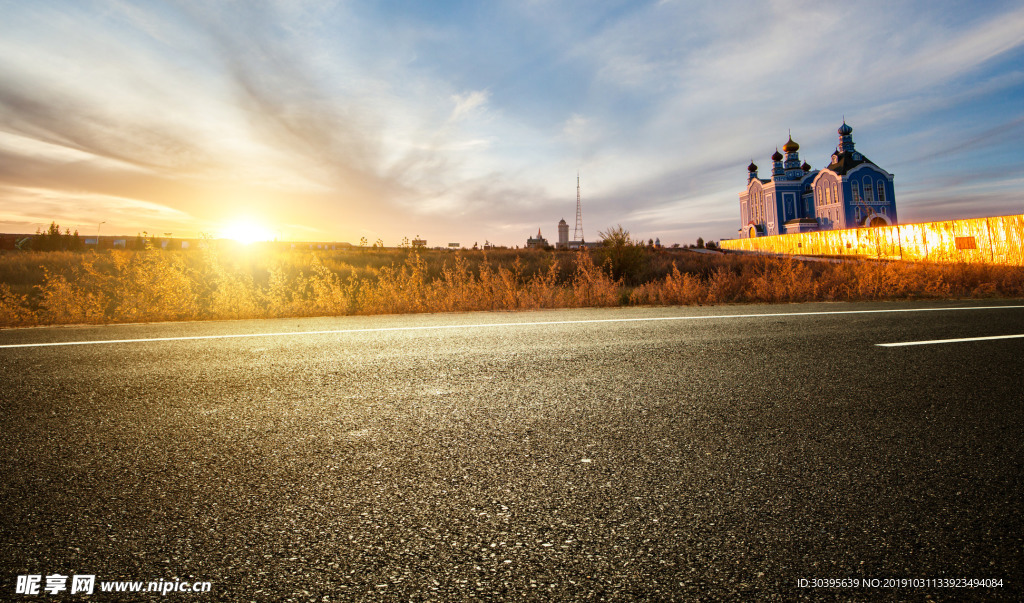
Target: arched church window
{"x":881,"y":192}
{"x":835,"y":193}
{"x":869,"y":196}
{"x":856,"y":191}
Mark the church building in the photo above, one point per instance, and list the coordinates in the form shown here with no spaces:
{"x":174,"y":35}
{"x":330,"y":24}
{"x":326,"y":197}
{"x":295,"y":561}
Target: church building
{"x":851,"y":192}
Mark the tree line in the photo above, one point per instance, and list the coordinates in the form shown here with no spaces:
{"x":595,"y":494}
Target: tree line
{"x":52,"y":239}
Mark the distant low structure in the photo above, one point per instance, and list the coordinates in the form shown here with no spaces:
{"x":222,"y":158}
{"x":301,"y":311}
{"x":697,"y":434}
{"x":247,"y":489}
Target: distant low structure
{"x":538,"y":242}
{"x":585,"y":244}
{"x":851,"y":192}
{"x":319,"y":245}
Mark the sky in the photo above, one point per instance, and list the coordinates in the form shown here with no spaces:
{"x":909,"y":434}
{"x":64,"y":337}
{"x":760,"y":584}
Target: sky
{"x":466,"y":122}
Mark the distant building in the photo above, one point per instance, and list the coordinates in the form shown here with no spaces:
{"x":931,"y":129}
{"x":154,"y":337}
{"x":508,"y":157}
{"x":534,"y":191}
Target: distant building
{"x":537,"y":242}
{"x":851,"y":192}
{"x":418,"y":242}
{"x":563,"y":234}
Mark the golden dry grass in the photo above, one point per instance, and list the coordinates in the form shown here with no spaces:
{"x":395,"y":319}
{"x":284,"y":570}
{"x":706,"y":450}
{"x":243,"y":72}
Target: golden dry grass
{"x":136,"y":286}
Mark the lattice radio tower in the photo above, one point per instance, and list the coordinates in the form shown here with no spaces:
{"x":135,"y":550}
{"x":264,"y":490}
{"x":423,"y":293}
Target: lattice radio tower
{"x":577,"y":234}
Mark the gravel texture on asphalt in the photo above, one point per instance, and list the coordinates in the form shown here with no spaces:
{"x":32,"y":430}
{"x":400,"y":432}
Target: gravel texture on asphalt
{"x":711,"y":459}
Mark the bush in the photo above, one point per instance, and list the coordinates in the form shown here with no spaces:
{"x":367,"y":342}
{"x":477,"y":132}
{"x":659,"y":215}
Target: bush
{"x":622,"y":256}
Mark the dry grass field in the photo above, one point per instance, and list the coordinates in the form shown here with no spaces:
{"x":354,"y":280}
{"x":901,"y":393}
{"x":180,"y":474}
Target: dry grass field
{"x":59,"y":287}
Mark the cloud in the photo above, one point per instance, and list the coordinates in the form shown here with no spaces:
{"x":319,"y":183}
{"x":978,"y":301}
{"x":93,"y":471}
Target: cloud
{"x":468,"y":104}
{"x":348,"y":118}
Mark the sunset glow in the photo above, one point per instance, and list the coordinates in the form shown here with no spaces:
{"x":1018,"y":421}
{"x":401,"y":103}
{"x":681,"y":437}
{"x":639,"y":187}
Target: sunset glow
{"x":342,"y":120}
{"x":246,"y":231}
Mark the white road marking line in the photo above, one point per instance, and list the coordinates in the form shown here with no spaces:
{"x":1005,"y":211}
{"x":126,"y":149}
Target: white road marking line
{"x":905,"y":343}
{"x":501,"y":324}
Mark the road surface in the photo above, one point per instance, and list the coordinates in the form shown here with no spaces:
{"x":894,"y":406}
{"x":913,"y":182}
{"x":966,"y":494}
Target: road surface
{"x":608,"y":454}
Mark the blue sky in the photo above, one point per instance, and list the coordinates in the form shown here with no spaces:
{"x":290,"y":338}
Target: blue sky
{"x":468,"y":121}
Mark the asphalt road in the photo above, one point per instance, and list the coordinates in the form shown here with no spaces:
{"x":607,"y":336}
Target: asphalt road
{"x":522,"y":456}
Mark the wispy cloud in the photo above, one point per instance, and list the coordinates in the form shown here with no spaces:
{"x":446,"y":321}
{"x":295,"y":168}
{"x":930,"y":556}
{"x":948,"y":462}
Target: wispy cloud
{"x":343,"y":118}
{"x":466,"y":104}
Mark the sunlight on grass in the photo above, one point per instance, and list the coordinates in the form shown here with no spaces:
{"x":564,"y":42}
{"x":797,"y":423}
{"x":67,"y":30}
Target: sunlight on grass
{"x":271,"y":281}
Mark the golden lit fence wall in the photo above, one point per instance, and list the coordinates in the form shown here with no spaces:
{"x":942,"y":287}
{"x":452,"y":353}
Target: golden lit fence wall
{"x":997,"y":240}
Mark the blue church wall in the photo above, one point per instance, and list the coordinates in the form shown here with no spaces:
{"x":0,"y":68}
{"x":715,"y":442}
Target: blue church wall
{"x":872,"y":195}
{"x":808,"y":206}
{"x":789,"y":205}
{"x":828,"y":199}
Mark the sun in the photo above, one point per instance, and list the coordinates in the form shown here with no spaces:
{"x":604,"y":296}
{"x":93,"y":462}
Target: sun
{"x":246,"y":231}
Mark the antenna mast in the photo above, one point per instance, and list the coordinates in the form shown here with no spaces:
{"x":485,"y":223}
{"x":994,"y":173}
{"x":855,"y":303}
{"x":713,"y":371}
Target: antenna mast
{"x":577,"y":234}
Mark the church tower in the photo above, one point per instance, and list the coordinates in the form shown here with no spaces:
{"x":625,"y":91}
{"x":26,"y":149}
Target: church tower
{"x":845,"y":139}
{"x":792,"y":165}
{"x":778,"y":172}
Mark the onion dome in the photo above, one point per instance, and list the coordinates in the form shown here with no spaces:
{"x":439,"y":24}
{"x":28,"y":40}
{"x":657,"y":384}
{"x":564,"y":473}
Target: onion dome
{"x":790,"y":146}
{"x":777,"y":156}
{"x":751,"y":167}
{"x":845,"y":130}
{"x":806,"y":167}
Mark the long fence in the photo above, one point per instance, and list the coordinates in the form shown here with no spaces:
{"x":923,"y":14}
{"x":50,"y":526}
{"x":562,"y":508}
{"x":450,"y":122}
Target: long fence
{"x":998,"y":240}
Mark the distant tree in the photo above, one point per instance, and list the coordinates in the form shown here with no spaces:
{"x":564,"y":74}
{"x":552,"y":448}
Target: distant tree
{"x":675,"y":245}
{"x":650,"y":242}
{"x":379,"y":243}
{"x":615,"y":237}
{"x":55,"y":241}
{"x":621,"y":254}
{"x":51,"y":239}
{"x":700,"y":243}
{"x":711,"y":245}
{"x":363,"y":242}
{"x":475,"y":246}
